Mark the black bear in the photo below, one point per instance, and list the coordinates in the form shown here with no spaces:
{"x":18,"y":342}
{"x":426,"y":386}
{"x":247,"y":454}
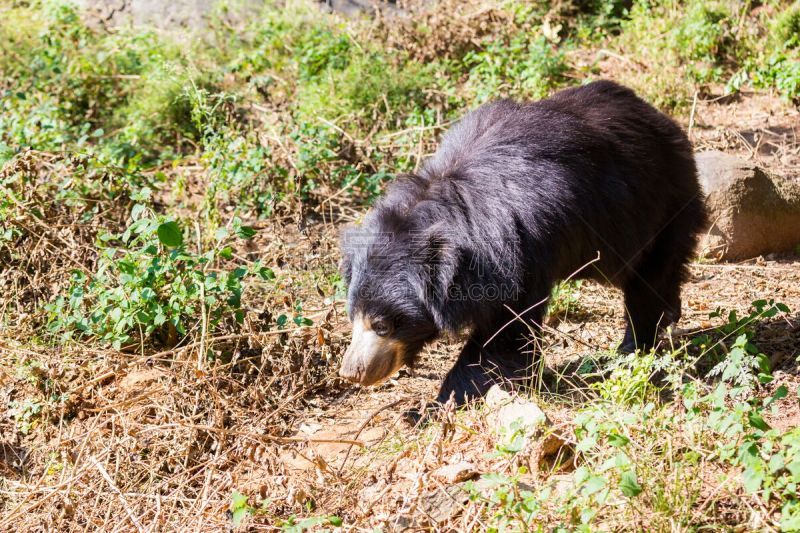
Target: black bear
{"x":517,"y":197}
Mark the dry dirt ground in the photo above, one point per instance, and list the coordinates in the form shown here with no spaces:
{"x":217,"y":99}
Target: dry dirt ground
{"x":153,"y":442}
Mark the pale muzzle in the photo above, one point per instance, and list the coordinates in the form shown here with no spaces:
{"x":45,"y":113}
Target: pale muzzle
{"x":370,"y":358}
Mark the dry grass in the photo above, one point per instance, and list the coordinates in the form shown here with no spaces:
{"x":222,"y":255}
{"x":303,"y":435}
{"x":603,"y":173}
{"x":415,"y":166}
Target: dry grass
{"x":147,"y":439}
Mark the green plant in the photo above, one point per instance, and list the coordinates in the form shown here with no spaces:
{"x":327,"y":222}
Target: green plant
{"x":786,"y":27}
{"x":79,"y":86}
{"x":565,"y":299}
{"x":148,"y":281}
{"x":640,"y":459}
{"x":26,"y":414}
{"x":293,"y":525}
{"x":297,"y":317}
{"x":522,"y":67}
{"x":240,"y":508}
{"x":739,"y":360}
{"x":782,"y":71}
{"x":368,"y":84}
{"x":321,"y":50}
{"x":510,"y":506}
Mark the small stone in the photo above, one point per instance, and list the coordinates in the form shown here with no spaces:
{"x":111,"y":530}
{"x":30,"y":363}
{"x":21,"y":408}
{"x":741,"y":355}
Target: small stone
{"x":309,"y":428}
{"x":138,"y":380}
{"x":509,"y":413}
{"x":440,"y":507}
{"x":506,"y":409}
{"x":455,"y":473}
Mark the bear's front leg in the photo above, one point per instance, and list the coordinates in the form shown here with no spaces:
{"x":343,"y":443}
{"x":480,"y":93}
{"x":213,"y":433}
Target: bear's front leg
{"x":506,"y":358}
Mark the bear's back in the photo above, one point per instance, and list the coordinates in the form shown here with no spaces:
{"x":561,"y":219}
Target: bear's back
{"x":574,"y":127}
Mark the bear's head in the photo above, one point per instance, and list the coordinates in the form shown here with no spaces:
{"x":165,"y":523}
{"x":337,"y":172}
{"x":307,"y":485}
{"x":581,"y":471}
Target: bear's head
{"x":397,"y":276}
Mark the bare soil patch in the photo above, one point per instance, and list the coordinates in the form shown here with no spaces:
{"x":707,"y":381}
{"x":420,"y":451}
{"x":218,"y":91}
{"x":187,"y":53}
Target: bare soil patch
{"x":270,"y":418}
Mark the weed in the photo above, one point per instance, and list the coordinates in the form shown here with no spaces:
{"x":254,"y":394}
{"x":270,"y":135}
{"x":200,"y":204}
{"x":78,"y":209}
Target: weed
{"x":639,"y":458}
{"x":149,"y":282}
{"x":565,"y":299}
{"x":240,"y":508}
{"x":523,"y":67}
{"x":293,"y":525}
{"x":26,"y":414}
{"x":786,"y":27}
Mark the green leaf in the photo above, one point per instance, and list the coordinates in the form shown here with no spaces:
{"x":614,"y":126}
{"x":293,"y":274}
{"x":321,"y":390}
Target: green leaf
{"x":221,"y":233}
{"x":169,"y":233}
{"x":238,"y":515}
{"x":776,"y":463}
{"x":238,"y":500}
{"x":586,"y":444}
{"x":303,"y":321}
{"x":780,"y":392}
{"x":617,"y":440}
{"x":593,"y":485}
{"x":308,"y":523}
{"x":245,"y":232}
{"x":794,"y":469}
{"x":752,"y":478}
{"x":137,"y":211}
{"x":757,"y":421}
{"x":629,"y":485}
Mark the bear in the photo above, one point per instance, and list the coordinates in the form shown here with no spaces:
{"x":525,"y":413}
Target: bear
{"x":592,"y":183}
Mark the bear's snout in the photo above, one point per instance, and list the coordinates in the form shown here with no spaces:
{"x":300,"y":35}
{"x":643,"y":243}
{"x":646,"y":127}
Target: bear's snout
{"x":349,"y":371}
{"x":370,"y":358}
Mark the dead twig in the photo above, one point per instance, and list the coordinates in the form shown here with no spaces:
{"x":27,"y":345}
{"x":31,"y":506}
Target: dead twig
{"x":363,"y":425}
{"x":104,"y":473}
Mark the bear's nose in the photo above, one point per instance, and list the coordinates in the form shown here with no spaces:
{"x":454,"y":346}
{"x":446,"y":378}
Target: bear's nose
{"x":353,"y":375}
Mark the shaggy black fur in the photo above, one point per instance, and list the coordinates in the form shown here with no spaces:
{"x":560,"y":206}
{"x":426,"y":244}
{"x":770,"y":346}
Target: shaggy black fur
{"x":519,"y":196}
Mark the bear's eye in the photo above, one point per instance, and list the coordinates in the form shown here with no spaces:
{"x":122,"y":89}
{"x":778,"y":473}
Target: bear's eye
{"x":381,"y":327}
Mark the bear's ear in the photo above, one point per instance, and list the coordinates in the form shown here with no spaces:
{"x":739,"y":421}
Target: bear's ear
{"x":346,"y":268}
{"x":437,"y":257}
{"x":346,"y":245}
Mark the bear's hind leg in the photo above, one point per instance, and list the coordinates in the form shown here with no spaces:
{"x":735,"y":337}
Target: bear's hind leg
{"x":653,"y":291}
{"x":651,"y":304}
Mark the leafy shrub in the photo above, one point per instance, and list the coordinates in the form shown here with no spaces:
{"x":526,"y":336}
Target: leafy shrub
{"x":149,"y":282}
{"x":565,"y":300}
{"x":629,"y":473}
{"x":521,"y":68}
{"x":368,"y":84}
{"x":80,"y":84}
{"x":739,"y":361}
{"x":780,"y":70}
{"x":786,"y":27}
{"x":321,"y":50}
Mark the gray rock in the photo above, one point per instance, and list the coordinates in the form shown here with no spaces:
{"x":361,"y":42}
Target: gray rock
{"x":751,"y":212}
{"x":194,"y":15}
{"x":436,"y":509}
{"x":506,"y":409}
{"x":508,"y":414}
{"x":455,"y":473}
{"x":353,"y":8}
{"x":189,"y":15}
